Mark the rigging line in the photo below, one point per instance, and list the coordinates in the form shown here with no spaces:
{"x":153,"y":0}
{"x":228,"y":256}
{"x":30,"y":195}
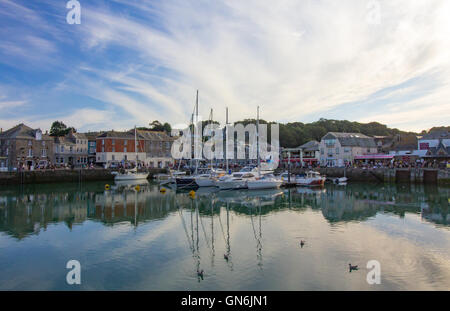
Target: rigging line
{"x":223,"y":232}
{"x":204,"y":233}
{"x":185,"y":229}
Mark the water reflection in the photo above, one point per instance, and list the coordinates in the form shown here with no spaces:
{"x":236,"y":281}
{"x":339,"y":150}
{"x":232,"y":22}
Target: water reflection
{"x":28,"y":210}
{"x":139,"y":238}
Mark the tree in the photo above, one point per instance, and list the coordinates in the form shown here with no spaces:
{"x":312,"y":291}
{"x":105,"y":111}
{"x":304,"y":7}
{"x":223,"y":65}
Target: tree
{"x":58,"y":128}
{"x":167,"y":128}
{"x":156,"y":126}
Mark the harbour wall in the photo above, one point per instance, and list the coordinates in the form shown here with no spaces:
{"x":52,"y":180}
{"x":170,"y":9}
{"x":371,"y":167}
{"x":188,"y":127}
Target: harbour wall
{"x":58,"y":176}
{"x":389,"y":175}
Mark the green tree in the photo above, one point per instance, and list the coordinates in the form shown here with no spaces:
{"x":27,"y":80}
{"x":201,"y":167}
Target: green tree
{"x":58,"y":128}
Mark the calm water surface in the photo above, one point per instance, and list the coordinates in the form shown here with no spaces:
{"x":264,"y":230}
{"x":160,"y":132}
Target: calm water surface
{"x":128,"y":240}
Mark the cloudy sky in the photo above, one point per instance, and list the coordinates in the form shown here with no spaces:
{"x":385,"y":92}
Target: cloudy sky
{"x":133,"y":61}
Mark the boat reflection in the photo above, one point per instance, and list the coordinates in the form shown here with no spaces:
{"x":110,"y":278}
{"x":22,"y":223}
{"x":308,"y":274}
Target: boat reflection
{"x":28,"y":210}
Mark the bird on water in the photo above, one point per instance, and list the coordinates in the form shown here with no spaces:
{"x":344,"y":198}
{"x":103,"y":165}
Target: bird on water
{"x":351,"y":268}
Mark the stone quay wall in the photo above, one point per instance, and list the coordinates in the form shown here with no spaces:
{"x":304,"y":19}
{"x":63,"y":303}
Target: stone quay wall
{"x":61,"y":175}
{"x":388,"y":175}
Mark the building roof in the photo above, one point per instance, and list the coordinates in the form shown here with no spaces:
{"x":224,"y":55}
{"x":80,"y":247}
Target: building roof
{"x":352,"y":139}
{"x":64,"y":140}
{"x":312,"y":145}
{"x":114,"y":134}
{"x":21,"y":131}
{"x":436,"y":135}
{"x":154,"y":135}
{"x":439,"y":151}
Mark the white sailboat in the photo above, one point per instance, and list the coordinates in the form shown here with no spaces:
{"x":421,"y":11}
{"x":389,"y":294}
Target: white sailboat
{"x":133,"y":173}
{"x":262,"y":181}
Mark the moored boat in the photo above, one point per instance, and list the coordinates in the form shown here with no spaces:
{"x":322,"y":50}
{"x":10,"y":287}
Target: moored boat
{"x":311,"y":179}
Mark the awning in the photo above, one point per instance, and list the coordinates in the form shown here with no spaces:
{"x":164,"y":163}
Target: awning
{"x":304,"y":160}
{"x":374,"y":157}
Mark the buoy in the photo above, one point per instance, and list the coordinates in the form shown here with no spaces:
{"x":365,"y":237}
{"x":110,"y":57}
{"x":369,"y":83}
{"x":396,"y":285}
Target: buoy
{"x":192,"y":194}
{"x":162,"y":190}
{"x":107,"y":187}
{"x":137,"y":188}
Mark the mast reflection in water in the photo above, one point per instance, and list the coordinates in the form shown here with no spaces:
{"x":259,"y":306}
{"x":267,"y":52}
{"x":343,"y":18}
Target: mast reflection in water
{"x":229,"y":240}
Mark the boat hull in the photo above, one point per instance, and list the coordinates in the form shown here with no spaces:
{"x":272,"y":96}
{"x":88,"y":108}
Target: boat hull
{"x":186,"y":183}
{"x":311,"y":182}
{"x":232,"y":185}
{"x":205,"y":182}
{"x":254,"y":185}
{"x":130,"y":177}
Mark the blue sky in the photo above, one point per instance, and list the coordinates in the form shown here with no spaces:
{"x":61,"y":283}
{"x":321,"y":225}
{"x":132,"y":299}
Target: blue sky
{"x":131,"y":62}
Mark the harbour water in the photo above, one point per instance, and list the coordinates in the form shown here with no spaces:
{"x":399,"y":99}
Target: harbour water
{"x":242,"y":240}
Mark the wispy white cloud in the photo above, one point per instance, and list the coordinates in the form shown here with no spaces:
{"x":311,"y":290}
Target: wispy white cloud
{"x":296,"y":59}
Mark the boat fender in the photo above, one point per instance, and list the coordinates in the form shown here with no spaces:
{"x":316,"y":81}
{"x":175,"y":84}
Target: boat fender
{"x":162,"y":190}
{"x":192,"y":194}
{"x":107,"y":187}
{"x":137,"y":188}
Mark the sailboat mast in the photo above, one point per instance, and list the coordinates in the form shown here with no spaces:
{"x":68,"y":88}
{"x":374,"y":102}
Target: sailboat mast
{"x":211,"y":121}
{"x":135,"y":145}
{"x":196,"y":122}
{"x":226,"y":135}
{"x":257,"y":141}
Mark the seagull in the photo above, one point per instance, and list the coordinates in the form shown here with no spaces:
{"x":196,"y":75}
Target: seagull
{"x":225,"y":256}
{"x":200,"y":273}
{"x":351,"y":268}
{"x":302,"y":243}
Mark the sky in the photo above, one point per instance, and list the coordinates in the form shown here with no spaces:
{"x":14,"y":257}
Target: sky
{"x":130,"y":62}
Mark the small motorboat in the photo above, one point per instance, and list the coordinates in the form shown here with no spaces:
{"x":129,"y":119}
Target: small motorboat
{"x":311,"y":179}
{"x":237,"y":180}
{"x":268,"y":181}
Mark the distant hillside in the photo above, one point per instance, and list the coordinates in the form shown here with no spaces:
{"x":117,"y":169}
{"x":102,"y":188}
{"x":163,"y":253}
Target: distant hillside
{"x":297,"y":133}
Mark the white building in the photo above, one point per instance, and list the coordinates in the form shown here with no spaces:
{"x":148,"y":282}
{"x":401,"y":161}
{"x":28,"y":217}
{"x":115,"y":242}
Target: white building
{"x":340,"y":149}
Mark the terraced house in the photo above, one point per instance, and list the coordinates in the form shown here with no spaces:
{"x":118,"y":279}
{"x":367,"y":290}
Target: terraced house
{"x":339,"y":149}
{"x":71,"y":149}
{"x":25,"y":148}
{"x":153,"y":148}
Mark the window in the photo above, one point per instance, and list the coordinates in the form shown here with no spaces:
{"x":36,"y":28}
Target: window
{"x":62,"y":149}
{"x":103,"y":148}
{"x":113,"y":157}
{"x":347,"y":150}
{"x":125,"y":157}
{"x":43,"y":143}
{"x":113,"y":149}
{"x":113,"y":142}
{"x":337,"y":150}
{"x":30,"y":143}
{"x":7,"y":151}
{"x":103,"y":141}
{"x":44,"y":153}
{"x":321,"y":151}
{"x":125,"y":149}
{"x":30,"y":153}
{"x":71,"y":149}
{"x":125,"y":142}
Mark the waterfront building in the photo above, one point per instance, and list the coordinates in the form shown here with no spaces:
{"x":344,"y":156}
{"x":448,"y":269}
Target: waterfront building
{"x":71,"y":149}
{"x":437,"y":147}
{"x":306,"y":154}
{"x":340,"y":149}
{"x":92,"y":146}
{"x":433,"y":140}
{"x":157,"y":147}
{"x":115,"y":147}
{"x":24,"y":147}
